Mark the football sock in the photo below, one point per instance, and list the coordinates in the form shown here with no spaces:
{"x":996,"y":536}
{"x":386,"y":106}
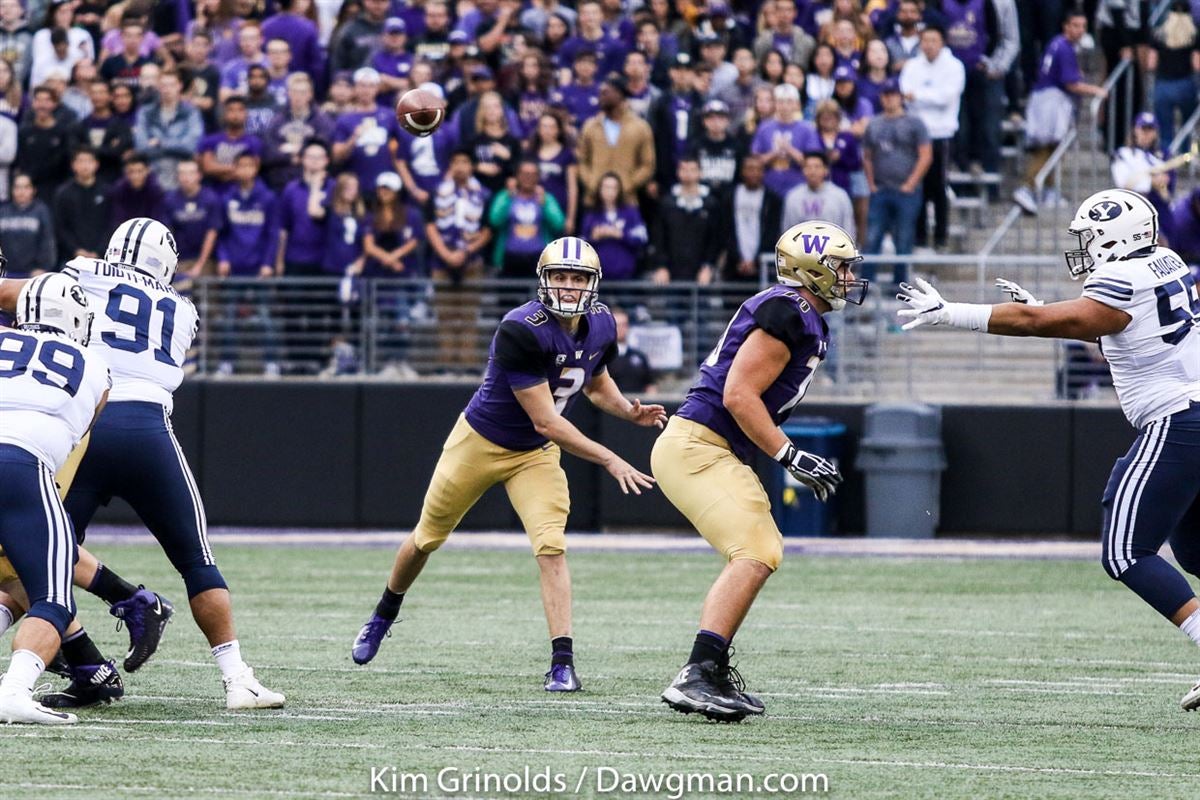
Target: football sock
{"x":80,"y":651}
{"x":1191,"y":626}
{"x":709,"y":646}
{"x":111,"y":587}
{"x":6,"y":619}
{"x":229,"y":658}
{"x":23,"y":671}
{"x":562,"y":650}
{"x":389,"y":605}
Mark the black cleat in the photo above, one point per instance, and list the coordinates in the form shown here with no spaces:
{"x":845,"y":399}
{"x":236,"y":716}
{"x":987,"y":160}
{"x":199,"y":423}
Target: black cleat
{"x":98,"y":683}
{"x":700,"y":688}
{"x":145,"y":615}
{"x":733,"y":685}
{"x":59,"y":666}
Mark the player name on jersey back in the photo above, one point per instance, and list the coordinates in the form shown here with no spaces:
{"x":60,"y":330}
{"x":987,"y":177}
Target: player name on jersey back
{"x":143,"y":328}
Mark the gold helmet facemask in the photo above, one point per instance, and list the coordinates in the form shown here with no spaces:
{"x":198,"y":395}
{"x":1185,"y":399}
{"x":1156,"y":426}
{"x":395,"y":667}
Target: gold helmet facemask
{"x":573,"y":254}
{"x":811,"y":255}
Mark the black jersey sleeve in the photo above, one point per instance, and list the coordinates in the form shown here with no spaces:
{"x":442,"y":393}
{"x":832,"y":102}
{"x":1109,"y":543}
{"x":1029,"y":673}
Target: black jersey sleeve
{"x":517,"y":349}
{"x":609,"y":355}
{"x":780,"y":318}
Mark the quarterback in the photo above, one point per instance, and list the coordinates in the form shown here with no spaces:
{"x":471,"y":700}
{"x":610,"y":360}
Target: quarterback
{"x":749,"y":384}
{"x":543,"y":355}
{"x":1140,"y":301}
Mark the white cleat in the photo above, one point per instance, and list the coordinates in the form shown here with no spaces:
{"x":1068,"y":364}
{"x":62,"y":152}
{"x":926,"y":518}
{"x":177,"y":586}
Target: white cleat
{"x":1191,"y":700}
{"x":20,"y":707}
{"x":244,"y":691}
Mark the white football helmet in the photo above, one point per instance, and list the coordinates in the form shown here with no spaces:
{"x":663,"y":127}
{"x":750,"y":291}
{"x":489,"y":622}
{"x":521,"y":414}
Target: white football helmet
{"x":569,"y":253}
{"x":145,"y":245}
{"x":1111,"y":225}
{"x":55,"y":302}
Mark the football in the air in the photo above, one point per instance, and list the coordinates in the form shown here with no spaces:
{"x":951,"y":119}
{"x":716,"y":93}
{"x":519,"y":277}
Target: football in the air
{"x":420,"y":112}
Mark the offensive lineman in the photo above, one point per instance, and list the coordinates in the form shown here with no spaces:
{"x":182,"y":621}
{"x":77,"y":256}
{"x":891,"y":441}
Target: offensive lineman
{"x":1140,"y":300}
{"x":51,"y":390}
{"x":511,"y":432}
{"x":749,"y":384}
{"x":143,"y":331}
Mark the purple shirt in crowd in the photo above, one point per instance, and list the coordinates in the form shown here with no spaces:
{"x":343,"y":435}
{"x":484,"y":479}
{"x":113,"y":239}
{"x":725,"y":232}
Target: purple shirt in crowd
{"x":371,"y":154}
{"x":581,"y":102}
{"x":619,"y":256}
{"x":531,"y":347}
{"x":301,"y":35}
{"x":306,"y":236}
{"x":191,"y":218}
{"x":1059,"y":66}
{"x":530,"y":107}
{"x":343,"y":242}
{"x":427,"y":157}
{"x":250,"y":237}
{"x":226,"y":150}
{"x":845,"y":158}
{"x":781,"y":312}
{"x":803,"y":137}
{"x":966,"y":30}
{"x":554,"y":175}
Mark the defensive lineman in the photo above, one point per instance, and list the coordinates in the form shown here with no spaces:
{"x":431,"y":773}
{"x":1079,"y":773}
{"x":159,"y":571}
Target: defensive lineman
{"x":748,"y":385}
{"x":143,"y":330}
{"x":542,"y":355}
{"x":1140,"y":300}
{"x":51,"y":390}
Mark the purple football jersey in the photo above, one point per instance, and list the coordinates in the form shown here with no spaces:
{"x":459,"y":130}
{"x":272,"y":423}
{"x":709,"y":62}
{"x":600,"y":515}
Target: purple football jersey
{"x":784,"y":314}
{"x":531,"y":347}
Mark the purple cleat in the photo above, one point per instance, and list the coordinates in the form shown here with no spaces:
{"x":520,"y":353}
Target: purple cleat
{"x":145,"y":615}
{"x":562,"y":678}
{"x":366,"y":644}
{"x":90,"y":685}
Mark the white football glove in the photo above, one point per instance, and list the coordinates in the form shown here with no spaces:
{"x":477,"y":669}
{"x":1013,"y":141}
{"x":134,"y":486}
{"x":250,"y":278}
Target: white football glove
{"x":926,"y":306}
{"x":1018,"y":294}
{"x":819,"y":474}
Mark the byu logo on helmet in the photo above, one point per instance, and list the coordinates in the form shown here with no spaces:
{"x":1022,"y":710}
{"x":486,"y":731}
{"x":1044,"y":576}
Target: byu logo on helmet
{"x":1105,"y":211}
{"x":814,"y":243}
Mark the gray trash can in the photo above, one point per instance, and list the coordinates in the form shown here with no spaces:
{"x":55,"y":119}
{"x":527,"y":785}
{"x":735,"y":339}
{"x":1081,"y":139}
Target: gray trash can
{"x":902,"y":459}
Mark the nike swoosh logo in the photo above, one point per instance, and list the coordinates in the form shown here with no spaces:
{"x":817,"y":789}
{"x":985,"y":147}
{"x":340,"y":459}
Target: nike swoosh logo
{"x":251,"y":691}
{"x":157,"y":605}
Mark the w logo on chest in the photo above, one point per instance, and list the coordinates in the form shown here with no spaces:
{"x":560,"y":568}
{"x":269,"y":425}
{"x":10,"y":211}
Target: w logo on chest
{"x":814,"y":244}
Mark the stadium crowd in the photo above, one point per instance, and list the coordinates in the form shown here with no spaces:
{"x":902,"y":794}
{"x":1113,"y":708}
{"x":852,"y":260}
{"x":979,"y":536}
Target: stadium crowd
{"x":679,"y":138}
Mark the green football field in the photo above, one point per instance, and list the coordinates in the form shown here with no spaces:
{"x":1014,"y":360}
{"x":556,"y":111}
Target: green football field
{"x":906,"y":678}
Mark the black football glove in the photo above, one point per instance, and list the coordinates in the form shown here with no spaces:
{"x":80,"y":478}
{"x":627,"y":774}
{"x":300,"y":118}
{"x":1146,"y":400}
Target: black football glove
{"x":818,"y":474}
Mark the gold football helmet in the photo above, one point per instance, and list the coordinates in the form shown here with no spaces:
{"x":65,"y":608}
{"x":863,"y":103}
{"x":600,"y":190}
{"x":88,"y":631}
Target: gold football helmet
{"x":574,"y":254}
{"x":809,"y":255}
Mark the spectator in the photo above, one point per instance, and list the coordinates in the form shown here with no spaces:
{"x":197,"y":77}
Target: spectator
{"x":76,"y":97}
{"x":844,"y":156}
{"x":1174,"y":60}
{"x":782,"y":141}
{"x":581,"y":97}
{"x":106,"y":135}
{"x":687,"y":243}
{"x":757,"y":223}
{"x":235,"y":74}
{"x":1185,"y":222}
{"x":616,"y":230}
{"x":16,"y":40}
{"x":1138,"y":167}
{"x":392,"y":61}
{"x":876,"y":70}
{"x":904,"y":40}
{"x":360,"y":37}
{"x":457,"y":238}
{"x":422,"y":162}
{"x":525,"y":219}
{"x":279,"y":67}
{"x":590,"y":35}
{"x":558,"y":30}
{"x":298,"y":123}
{"x":8,"y":152}
{"x":491,"y":24}
{"x":536,"y":18}
{"x":81,"y":209}
{"x":616,"y":140}
{"x":201,"y":79}
{"x":847,"y":46}
{"x":124,"y":105}
{"x":712,"y":55}
{"x":1050,"y":114}
{"x":220,"y":21}
{"x":631,"y":368}
{"x":983,"y":35}
{"x":193,"y":213}
{"x":58,"y":45}
{"x":673,"y":118}
{"x":364,"y":138}
{"x":785,"y":36}
{"x":897,"y":152}
{"x":818,"y":198}
{"x":125,"y":67}
{"x":771,"y":68}
{"x":12,"y":99}
{"x":42,"y":145}
{"x":390,"y":240}
{"x":642,"y":94}
{"x":152,"y":46}
{"x":819,"y":82}
{"x":295,"y":24}
{"x":739,"y":95}
{"x":718,"y":152}
{"x":137,"y":194}
{"x":559,"y":173}
{"x":659,"y":58}
{"x":344,"y":228}
{"x":302,"y":215}
{"x":856,"y":110}
{"x":341,"y":96}
{"x":167,"y":130}
{"x":261,"y":107}
{"x":932,"y":83}
{"x":762,"y":110}
{"x":218,"y":152}
{"x":434,"y":43}
{"x":494,"y":145}
{"x":27,"y":232}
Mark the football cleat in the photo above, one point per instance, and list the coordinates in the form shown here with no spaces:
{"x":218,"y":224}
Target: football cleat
{"x":97,"y":683}
{"x":145,"y":615}
{"x":244,"y":691}
{"x":370,"y":636}
{"x":1191,"y":700}
{"x":562,"y":678}
{"x":699,"y":688}
{"x":20,"y":707}
{"x":732,"y":684}
{"x":59,"y":666}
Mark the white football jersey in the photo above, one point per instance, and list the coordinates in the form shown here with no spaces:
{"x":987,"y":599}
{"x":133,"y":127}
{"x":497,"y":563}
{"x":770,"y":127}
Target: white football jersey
{"x":142,"y":328}
{"x":49,"y":389}
{"x":1155,"y":361}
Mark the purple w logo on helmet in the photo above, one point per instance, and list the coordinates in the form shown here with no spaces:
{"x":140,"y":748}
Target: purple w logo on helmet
{"x":814,"y":243}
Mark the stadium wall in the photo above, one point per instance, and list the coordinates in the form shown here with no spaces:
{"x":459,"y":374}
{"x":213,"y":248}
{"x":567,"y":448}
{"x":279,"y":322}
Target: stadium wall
{"x":359,"y":455}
